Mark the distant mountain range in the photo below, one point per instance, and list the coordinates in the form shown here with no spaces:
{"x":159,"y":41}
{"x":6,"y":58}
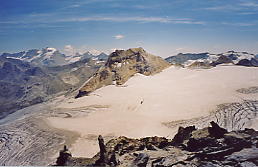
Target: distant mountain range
{"x":237,"y":58}
{"x":52,"y":57}
{"x":34,"y":76}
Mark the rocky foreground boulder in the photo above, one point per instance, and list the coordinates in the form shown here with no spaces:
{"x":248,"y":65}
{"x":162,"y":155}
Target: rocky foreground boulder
{"x":120,"y":66}
{"x":212,"y":146}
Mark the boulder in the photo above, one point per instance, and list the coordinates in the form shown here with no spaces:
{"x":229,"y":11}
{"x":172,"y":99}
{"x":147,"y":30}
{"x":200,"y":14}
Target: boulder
{"x":182,"y":135}
{"x":216,"y":131}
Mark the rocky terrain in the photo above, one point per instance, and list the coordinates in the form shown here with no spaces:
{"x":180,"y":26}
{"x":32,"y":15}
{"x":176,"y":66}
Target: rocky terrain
{"x":121,"y":65}
{"x":153,"y":105}
{"x":231,"y":116}
{"x":198,"y":64}
{"x":23,"y":84}
{"x":250,"y":90}
{"x":28,"y":140}
{"x":183,"y":58}
{"x":210,"y":146}
{"x":207,"y":60}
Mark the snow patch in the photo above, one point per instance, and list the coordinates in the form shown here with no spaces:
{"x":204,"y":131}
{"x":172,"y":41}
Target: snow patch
{"x":95,"y":52}
{"x":17,"y":58}
{"x":73,"y":59}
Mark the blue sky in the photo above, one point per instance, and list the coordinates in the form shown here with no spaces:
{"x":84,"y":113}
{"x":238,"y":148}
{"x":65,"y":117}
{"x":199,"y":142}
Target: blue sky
{"x":162,"y":27}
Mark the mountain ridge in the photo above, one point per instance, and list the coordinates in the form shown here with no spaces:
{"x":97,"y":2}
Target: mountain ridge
{"x":209,"y":146}
{"x":23,"y":84}
{"x":120,"y":66}
{"x":52,"y":57}
{"x":214,"y":59}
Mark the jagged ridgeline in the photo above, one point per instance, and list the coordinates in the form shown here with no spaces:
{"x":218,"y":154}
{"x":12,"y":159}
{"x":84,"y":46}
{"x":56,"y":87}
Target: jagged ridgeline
{"x":120,"y":66}
{"x":207,"y":147}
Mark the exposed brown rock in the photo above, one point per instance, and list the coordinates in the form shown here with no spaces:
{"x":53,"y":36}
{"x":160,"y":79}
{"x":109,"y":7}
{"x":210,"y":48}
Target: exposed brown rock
{"x":121,"y":65}
{"x":202,"y":148}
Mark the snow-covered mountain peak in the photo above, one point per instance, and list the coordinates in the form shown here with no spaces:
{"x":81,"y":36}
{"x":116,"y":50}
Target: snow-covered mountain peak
{"x":95,"y":52}
{"x":209,"y":58}
{"x":51,"y":49}
{"x":53,"y":57}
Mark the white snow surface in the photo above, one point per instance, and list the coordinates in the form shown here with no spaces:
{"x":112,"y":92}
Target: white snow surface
{"x":172,"y":95}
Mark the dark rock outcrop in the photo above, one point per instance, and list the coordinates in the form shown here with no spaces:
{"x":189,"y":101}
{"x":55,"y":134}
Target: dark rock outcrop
{"x":64,"y":157}
{"x":221,"y":60}
{"x":182,"y":135}
{"x":249,"y":63}
{"x":216,"y":131}
{"x":102,"y":152}
{"x":212,"y":146}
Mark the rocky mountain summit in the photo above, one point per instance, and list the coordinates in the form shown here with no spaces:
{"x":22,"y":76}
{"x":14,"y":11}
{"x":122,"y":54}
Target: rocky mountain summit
{"x":211,"y":146}
{"x":205,"y":60}
{"x":121,"y":65}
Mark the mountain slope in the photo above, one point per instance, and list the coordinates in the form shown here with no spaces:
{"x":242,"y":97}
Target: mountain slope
{"x":214,"y":59}
{"x":22,"y":84}
{"x":183,"y":58}
{"x":121,"y":65}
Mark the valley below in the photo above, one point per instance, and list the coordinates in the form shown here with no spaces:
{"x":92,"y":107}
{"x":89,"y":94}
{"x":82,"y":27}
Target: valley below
{"x":144,"y":106}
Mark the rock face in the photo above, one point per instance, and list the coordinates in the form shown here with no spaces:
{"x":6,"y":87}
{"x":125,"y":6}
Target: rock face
{"x":212,"y":146}
{"x":222,"y":60}
{"x":216,"y":131}
{"x":198,"y":64}
{"x":120,"y":66}
{"x":249,"y":63}
{"x":182,"y":58}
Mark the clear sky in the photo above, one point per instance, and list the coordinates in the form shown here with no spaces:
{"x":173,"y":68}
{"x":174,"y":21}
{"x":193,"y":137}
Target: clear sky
{"x":162,"y":27}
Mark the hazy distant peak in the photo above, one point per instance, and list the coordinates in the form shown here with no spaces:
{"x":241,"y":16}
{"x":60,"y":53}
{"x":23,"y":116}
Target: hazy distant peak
{"x":53,"y":57}
{"x":95,"y":52}
{"x":231,"y":56}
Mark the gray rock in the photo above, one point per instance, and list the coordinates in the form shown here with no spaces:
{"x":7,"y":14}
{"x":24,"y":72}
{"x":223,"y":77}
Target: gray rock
{"x":247,"y":154}
{"x":141,"y":160}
